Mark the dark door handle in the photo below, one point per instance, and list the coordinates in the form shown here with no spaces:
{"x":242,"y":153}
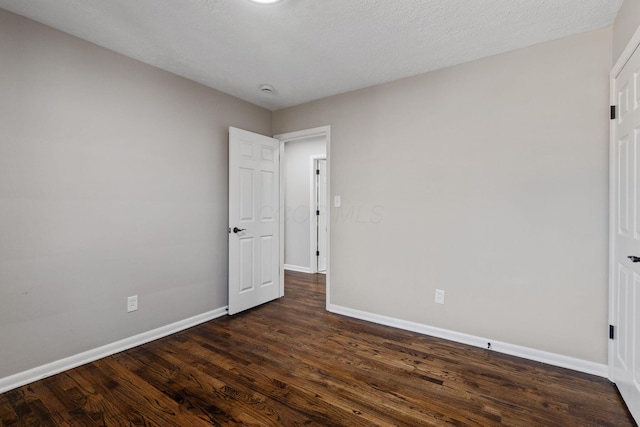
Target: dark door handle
{"x":634,"y":258}
{"x":237,"y":230}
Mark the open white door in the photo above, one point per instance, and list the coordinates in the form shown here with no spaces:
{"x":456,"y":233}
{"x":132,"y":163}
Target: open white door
{"x":254,"y":201}
{"x":625,"y":257}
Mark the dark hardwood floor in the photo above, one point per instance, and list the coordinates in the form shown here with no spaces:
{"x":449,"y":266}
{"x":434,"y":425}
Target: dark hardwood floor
{"x":290,"y":363}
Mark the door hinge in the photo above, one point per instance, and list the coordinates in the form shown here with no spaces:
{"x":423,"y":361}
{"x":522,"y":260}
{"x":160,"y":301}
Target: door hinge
{"x":613,"y":112}
{"x":317,"y":253}
{"x":317,"y":171}
{"x":318,"y":213}
{"x":611,"y":332}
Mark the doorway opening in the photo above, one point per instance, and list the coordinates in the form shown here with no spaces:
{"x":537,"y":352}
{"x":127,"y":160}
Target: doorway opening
{"x":304,"y":195}
{"x":302,"y":205}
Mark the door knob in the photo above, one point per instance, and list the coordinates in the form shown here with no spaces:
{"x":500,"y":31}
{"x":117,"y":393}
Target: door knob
{"x":237,"y":230}
{"x":634,"y":258}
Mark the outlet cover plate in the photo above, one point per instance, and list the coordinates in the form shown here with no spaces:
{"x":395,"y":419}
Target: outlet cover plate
{"x":439,"y":296}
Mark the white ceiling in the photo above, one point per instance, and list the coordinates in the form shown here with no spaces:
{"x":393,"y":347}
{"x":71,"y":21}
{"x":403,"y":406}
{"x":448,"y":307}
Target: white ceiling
{"x":310,"y":49}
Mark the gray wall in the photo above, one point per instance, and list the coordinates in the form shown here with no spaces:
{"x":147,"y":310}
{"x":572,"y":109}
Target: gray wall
{"x":113,"y":182}
{"x":488,"y":180}
{"x":626,"y":24}
{"x":297,"y":171}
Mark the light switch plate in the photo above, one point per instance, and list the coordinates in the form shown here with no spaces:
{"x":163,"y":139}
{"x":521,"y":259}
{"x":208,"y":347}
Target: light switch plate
{"x":337,"y":201}
{"x":132,"y":303}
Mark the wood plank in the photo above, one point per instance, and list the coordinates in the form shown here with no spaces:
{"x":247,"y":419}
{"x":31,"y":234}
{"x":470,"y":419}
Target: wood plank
{"x":292,"y":363}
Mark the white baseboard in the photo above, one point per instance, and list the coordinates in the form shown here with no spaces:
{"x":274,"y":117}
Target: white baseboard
{"x":297,"y":268}
{"x":599,"y":369}
{"x":53,"y":368}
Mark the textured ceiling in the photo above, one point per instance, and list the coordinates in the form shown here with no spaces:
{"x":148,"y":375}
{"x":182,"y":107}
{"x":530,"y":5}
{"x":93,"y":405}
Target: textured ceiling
{"x":310,"y":49}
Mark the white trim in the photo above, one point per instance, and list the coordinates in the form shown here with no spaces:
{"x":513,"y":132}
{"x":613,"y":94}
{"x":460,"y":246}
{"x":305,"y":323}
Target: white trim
{"x":612,"y":211}
{"x":297,"y":268}
{"x":294,"y":136}
{"x":579,"y":365}
{"x":283,"y":215}
{"x":329,"y":198}
{"x":626,"y":54}
{"x":53,"y":368}
{"x":304,"y":134}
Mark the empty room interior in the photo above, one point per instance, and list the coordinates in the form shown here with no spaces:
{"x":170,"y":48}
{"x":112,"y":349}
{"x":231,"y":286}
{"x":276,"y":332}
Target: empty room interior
{"x":347,"y":212}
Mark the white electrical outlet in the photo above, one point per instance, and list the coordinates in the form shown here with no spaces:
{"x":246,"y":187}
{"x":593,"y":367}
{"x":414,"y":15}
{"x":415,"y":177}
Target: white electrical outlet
{"x":132,"y":303}
{"x":337,"y":201}
{"x":439,"y":296}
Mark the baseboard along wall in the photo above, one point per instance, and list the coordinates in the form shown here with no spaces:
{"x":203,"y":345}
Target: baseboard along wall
{"x":599,"y":369}
{"x":22,"y":378}
{"x":297,"y":268}
{"x":17,"y":380}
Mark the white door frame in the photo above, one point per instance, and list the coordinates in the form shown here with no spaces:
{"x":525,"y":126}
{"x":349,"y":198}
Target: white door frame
{"x":323,"y":131}
{"x":634,"y":43}
{"x":313,"y":223}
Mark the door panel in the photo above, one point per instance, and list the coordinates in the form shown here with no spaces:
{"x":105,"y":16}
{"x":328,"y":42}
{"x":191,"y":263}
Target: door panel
{"x":626,"y":238}
{"x":622,"y":344}
{"x":253,"y":206}
{"x":246,"y":264}
{"x":636,"y":350}
{"x":245,"y":194}
{"x":624,"y":180}
{"x":266,"y":245}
